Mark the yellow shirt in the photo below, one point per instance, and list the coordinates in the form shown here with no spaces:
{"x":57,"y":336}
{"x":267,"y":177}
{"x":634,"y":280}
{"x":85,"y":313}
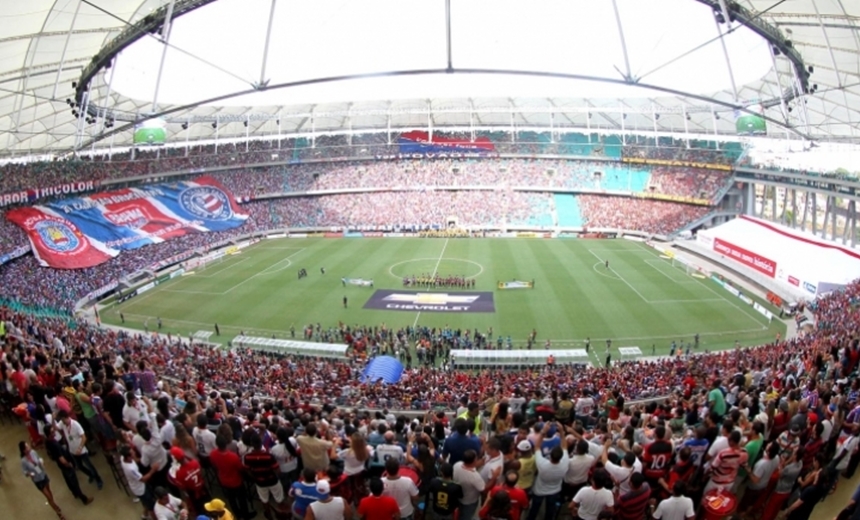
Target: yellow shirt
{"x":528,"y":470}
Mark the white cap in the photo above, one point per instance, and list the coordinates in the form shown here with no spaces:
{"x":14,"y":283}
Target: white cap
{"x":524,"y":446}
{"x":323,"y":487}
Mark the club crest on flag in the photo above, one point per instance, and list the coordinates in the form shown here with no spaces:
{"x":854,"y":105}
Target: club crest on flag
{"x":206,"y":202}
{"x":58,"y":235}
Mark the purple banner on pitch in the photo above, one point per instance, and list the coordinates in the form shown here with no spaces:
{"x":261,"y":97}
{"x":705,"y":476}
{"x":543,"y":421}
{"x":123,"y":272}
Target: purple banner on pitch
{"x":416,"y":301}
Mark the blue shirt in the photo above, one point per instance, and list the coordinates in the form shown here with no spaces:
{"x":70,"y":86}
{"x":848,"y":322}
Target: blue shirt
{"x":548,"y":444}
{"x":304,"y":495}
{"x":456,"y":445}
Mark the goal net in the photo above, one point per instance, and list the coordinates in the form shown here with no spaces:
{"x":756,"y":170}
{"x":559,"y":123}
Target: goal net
{"x":690,"y":267}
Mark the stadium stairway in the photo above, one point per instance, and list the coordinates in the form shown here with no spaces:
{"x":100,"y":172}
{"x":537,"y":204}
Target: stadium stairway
{"x":567,"y":207}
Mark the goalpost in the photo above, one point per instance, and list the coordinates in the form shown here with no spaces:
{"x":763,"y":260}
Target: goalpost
{"x":692,"y":269}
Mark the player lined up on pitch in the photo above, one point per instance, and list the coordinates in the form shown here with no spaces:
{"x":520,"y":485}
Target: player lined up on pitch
{"x":431,"y":281}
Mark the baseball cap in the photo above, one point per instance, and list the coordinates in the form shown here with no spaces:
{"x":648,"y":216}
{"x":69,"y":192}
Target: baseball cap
{"x":524,"y":446}
{"x":323,"y":487}
{"x":795,"y":429}
{"x":177,"y":453}
{"x":215,"y":506}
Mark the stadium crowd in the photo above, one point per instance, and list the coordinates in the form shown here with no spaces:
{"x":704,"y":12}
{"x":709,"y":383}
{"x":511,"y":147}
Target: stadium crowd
{"x":17,"y":176}
{"x":775,"y":425}
{"x":651,"y":216}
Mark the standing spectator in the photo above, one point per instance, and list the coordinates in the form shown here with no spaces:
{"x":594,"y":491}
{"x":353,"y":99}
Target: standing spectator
{"x":378,"y":506}
{"x":759,"y":478}
{"x":328,"y":507}
{"x":578,"y":469}
{"x":473,"y":485}
{"x":190,"y":479}
{"x":445,"y":495}
{"x":304,"y":492}
{"x":134,"y":411}
{"x":263,"y":469}
{"x":528,"y":467}
{"x":459,"y":442}
{"x":491,"y":471}
{"x":632,"y":505}
{"x":314,"y":451}
{"x":550,"y":476}
{"x":725,"y":466}
{"x":785,"y":484}
{"x":76,"y":441}
{"x":813,"y":488}
{"x":217,"y":509}
{"x":137,"y":482}
{"x":402,"y":489}
{"x":676,"y":507}
{"x":205,"y":440}
{"x":228,"y":467}
{"x":168,"y":507}
{"x":590,"y":502}
{"x":66,"y":463}
{"x":34,"y":469}
{"x":519,"y":500}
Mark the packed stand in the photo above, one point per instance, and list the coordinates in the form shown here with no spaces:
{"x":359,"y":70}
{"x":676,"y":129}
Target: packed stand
{"x":775,"y":427}
{"x":651,"y":216}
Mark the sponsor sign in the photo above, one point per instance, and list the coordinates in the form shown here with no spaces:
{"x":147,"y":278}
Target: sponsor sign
{"x":674,"y":198}
{"x":746,"y":299}
{"x":732,"y":290}
{"x":333,"y":235}
{"x":793,"y":281}
{"x":760,"y":263}
{"x":764,"y":312}
{"x":145,"y":287}
{"x":97,"y":293}
{"x":373,"y":234}
{"x":516,"y":284}
{"x":412,"y":301}
{"x":394,"y":235}
{"x":810,"y":288}
{"x":418,"y":141}
{"x":31,"y":195}
{"x":681,"y":164}
{"x":86,"y":231}
{"x":177,"y":273}
{"x":716,"y":279}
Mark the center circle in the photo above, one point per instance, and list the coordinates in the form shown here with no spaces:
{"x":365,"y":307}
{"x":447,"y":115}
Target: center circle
{"x":427,"y":266}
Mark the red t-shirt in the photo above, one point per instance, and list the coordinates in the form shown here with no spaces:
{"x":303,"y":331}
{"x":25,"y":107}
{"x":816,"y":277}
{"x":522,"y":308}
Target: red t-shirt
{"x":378,"y":508}
{"x":519,"y":501}
{"x":228,"y":467}
{"x":189,"y":478}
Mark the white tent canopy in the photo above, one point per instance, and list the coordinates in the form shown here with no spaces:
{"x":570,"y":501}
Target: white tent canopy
{"x":518,"y":357}
{"x":797,"y":259}
{"x":291,"y":348}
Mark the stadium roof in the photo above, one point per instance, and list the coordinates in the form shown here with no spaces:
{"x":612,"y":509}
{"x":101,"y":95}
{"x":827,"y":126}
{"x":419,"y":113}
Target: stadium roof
{"x":551,"y":63}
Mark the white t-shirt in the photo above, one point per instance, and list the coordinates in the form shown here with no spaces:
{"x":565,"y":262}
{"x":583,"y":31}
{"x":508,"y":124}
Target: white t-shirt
{"x":490,"y":466}
{"x":621,"y":476}
{"x":286,"y":461}
{"x":578,"y":468}
{"x":74,"y":434}
{"x":470,"y":481}
{"x":133,"y":476}
{"x":170,"y":511}
{"x":592,"y":502}
{"x":584,"y":406}
{"x":132,"y":414}
{"x":205,"y":441}
{"x":675,"y":508}
{"x":402,"y":490}
{"x":387,"y":451}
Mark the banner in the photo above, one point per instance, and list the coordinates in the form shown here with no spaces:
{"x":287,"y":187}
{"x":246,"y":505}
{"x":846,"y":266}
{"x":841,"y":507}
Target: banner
{"x":86,"y":231}
{"x":418,"y":141}
{"x":682,"y":164}
{"x":674,"y":198}
{"x":33,"y":194}
{"x":361,"y":282}
{"x":761,"y":264}
{"x":517,"y":284}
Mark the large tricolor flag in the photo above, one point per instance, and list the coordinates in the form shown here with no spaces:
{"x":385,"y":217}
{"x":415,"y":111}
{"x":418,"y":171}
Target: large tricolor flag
{"x":86,"y":231}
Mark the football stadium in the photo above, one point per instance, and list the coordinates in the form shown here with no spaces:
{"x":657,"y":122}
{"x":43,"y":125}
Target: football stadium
{"x":444,"y":259}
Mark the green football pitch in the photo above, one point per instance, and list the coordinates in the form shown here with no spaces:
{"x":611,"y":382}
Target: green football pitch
{"x":641,"y":299}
